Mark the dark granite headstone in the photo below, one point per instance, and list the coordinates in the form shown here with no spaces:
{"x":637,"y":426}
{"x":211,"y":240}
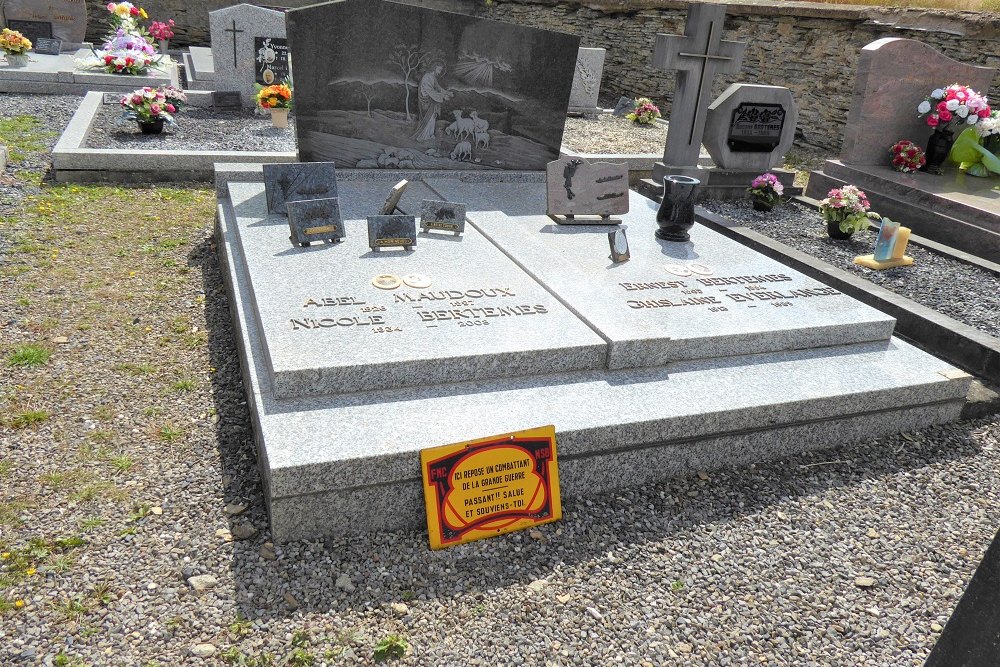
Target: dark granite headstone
{"x":395,"y":85}
{"x":272,"y":60}
{"x":388,"y":231}
{"x":626,"y":105}
{"x":442,"y":216}
{"x":298,"y":181}
{"x":313,"y":220}
{"x":33,"y":30}
{"x":47,"y":46}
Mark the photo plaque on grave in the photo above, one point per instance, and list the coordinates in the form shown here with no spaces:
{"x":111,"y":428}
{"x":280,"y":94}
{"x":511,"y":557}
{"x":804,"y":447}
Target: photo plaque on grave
{"x":33,"y":30}
{"x":442,"y":216}
{"x":756,"y":128}
{"x":619,"y":246}
{"x":47,"y":46}
{"x":313,"y":220}
{"x":392,"y":231}
{"x":392,"y":201}
{"x":272,"y":60}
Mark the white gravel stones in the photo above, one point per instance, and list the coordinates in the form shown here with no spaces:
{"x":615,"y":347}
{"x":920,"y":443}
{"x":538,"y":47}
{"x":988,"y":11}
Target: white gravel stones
{"x":202,"y":582}
{"x":203,"y":650}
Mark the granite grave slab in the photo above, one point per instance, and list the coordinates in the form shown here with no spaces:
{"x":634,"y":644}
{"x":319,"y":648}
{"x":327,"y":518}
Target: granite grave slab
{"x":235,"y":32}
{"x":60,"y":75}
{"x":68,"y":18}
{"x":393,"y":85}
{"x":587,"y":81}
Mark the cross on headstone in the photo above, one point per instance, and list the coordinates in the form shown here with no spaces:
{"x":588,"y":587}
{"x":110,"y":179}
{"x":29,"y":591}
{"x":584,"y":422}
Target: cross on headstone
{"x":234,"y":31}
{"x":697,"y":56}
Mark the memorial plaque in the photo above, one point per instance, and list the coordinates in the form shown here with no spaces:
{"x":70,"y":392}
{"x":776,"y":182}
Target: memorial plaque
{"x":272,"y":60}
{"x":111,"y":98}
{"x":392,"y":231}
{"x":48,"y":46}
{"x":392,"y":201}
{"x":442,"y":216}
{"x":226,"y":100}
{"x":756,"y":128}
{"x":313,"y":220}
{"x":576,"y":187}
{"x":619,"y":246}
{"x":64,"y":19}
{"x":488,"y":487}
{"x":33,"y":30}
{"x":297,"y":181}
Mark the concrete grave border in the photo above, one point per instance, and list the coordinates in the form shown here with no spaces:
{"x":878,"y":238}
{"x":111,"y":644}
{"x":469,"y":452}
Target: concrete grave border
{"x":74,"y":162}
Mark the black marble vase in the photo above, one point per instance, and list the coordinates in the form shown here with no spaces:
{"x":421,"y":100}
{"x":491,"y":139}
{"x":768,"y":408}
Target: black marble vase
{"x":151,"y":126}
{"x":676,"y":213}
{"x":938,"y":147}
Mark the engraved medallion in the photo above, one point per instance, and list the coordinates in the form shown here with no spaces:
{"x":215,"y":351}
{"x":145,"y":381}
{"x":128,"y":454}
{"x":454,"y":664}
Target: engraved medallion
{"x":677,"y":270}
{"x":701,"y":269}
{"x":416,"y":280}
{"x":386,"y":281}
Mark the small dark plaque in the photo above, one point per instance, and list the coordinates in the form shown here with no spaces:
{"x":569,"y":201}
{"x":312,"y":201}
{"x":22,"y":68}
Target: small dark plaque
{"x":442,"y":216}
{"x":389,"y":231}
{"x":392,"y":201}
{"x":625,"y":105}
{"x":298,"y":181}
{"x":227,"y":100}
{"x":272,"y":60}
{"x":315,"y":220}
{"x":756,"y":128}
{"x":48,"y":47}
{"x":619,"y":246}
{"x":111,"y":98}
{"x":33,"y":30}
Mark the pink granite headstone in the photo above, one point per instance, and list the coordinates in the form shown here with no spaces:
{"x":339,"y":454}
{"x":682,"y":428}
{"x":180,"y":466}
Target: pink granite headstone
{"x":894,"y":76}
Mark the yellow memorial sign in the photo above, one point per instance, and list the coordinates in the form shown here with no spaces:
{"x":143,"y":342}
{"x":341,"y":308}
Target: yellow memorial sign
{"x":490,"y":486}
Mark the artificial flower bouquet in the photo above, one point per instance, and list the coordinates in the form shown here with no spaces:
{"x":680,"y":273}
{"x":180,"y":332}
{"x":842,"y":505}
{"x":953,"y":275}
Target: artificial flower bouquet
{"x":954,"y":105}
{"x":162,"y":31}
{"x":645,"y":112}
{"x":907,"y":157}
{"x":767,"y":189}
{"x":275,"y":96}
{"x":848,"y":207}
{"x":127,"y":49}
{"x":148,"y":105}
{"x":13,"y":42}
{"x":126,"y":16}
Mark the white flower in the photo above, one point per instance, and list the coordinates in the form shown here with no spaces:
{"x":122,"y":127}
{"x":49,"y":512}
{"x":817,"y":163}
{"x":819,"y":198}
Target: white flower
{"x":951,"y":105}
{"x":938,"y":93}
{"x":972,"y":120}
{"x":962,"y":111}
{"x":924,"y":107}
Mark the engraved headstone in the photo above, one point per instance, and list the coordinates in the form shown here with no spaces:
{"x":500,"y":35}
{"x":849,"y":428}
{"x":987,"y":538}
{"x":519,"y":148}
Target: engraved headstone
{"x":67,"y":18}
{"x":576,"y":187}
{"x":393,"y":85}
{"x":750,"y":127}
{"x":236,"y":32}
{"x":697,"y":56}
{"x":312,"y":220}
{"x":298,"y":181}
{"x":442,"y":216}
{"x":273,"y":65}
{"x":388,"y":231}
{"x":587,"y":81}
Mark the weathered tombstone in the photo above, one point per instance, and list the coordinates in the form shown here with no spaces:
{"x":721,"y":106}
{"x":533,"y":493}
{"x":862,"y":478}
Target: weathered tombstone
{"x":587,"y":81}
{"x":894,"y":76}
{"x":67,"y":19}
{"x":392,"y":84}
{"x":697,"y":56}
{"x":575,"y":187}
{"x":297,"y":181}
{"x":237,"y":33}
{"x":750,"y":127}
{"x":313,"y":220}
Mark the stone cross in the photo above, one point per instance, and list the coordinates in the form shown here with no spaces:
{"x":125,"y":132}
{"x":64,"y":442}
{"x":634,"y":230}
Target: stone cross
{"x":697,"y":56}
{"x":234,"y":31}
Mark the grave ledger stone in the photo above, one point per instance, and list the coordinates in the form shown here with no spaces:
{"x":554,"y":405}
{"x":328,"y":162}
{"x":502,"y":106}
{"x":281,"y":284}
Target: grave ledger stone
{"x":67,"y":19}
{"x":239,"y":54}
{"x":392,"y":85}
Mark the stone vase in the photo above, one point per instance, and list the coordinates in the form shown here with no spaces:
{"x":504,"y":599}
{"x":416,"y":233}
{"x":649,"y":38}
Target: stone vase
{"x":938,"y":147}
{"x":164,"y":43}
{"x":279,"y":117}
{"x":676,"y":213}
{"x":17,"y":59}
{"x":151,"y":126}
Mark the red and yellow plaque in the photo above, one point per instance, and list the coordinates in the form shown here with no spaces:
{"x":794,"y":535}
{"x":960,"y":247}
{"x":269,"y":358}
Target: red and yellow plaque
{"x":490,"y":486}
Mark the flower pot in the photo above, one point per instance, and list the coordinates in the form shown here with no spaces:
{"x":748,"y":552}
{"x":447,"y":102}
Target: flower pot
{"x":164,"y":43}
{"x":833,"y":229}
{"x":676,"y":213}
{"x":151,"y":127}
{"x":279,"y":117}
{"x":762,"y":205}
{"x":938,"y":147}
{"x":17,"y":59}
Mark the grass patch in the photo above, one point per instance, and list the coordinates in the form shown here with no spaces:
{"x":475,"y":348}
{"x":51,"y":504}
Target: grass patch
{"x":28,"y":418}
{"x":183,"y":385}
{"x":390,"y":648}
{"x":170,"y":434}
{"x":22,"y":137}
{"x":122,"y":463}
{"x":29,"y":356}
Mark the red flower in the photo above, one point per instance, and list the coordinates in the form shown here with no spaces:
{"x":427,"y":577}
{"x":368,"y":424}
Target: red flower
{"x":171,"y":108}
{"x":942,"y":106}
{"x":945,"y":115}
{"x":984,"y":112}
{"x":134,"y":11}
{"x":932,"y":120}
{"x":108,"y":60}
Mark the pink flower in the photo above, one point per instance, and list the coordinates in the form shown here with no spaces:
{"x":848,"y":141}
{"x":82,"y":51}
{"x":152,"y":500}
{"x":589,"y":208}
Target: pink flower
{"x":137,"y":99}
{"x":984,"y":112}
{"x":111,"y":7}
{"x":154,"y":109}
{"x":171,"y":108}
{"x":945,"y":116}
{"x":932,"y":120}
{"x":942,"y":106}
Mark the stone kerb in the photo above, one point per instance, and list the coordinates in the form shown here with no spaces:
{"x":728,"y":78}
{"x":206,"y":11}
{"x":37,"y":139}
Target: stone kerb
{"x":894,"y":75}
{"x":720,"y":115}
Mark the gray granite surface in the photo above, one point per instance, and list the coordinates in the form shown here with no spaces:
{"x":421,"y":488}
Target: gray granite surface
{"x":50,"y":74}
{"x":297,"y":181}
{"x":724,"y":126}
{"x":233,"y":31}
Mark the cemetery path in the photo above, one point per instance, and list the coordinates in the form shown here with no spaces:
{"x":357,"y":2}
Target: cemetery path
{"x":133,"y":531}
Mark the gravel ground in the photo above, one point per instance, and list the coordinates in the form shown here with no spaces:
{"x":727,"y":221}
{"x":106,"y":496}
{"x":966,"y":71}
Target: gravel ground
{"x":967,"y":293}
{"x":197,"y":129}
{"x":134,"y":530}
{"x":611,"y":134}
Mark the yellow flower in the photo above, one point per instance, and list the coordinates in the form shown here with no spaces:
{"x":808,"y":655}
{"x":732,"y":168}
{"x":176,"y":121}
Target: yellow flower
{"x":143,"y":14}
{"x":5,"y":555}
{"x":19,"y":603}
{"x":31,"y":571}
{"x":122,"y":10}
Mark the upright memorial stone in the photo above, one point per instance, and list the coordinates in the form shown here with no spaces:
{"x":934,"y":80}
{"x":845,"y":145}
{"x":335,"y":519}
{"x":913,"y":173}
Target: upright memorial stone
{"x":750,"y":127}
{"x":59,"y":19}
{"x":697,"y":56}
{"x":587,"y":82}
{"x":391,"y":85}
{"x":248,"y":47}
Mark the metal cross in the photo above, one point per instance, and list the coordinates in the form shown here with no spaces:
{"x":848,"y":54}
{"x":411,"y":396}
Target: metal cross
{"x":234,"y":31}
{"x":697,"y":56}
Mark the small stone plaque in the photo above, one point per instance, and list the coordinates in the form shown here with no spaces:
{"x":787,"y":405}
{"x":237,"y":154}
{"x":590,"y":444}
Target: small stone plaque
{"x":33,"y":30}
{"x":313,"y":220}
{"x":619,"y":246}
{"x":226,"y":100}
{"x":442,"y":216}
{"x":272,"y":60}
{"x":625,"y":105}
{"x":298,"y":181}
{"x":756,"y":128}
{"x":392,"y":231}
{"x":576,"y":187}
{"x":111,"y":98}
{"x":47,"y":46}
{"x":392,"y":201}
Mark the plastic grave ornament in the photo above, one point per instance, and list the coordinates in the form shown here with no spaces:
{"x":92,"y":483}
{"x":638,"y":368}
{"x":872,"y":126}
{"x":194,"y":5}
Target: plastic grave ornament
{"x":890,"y":248}
{"x":576,"y":187}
